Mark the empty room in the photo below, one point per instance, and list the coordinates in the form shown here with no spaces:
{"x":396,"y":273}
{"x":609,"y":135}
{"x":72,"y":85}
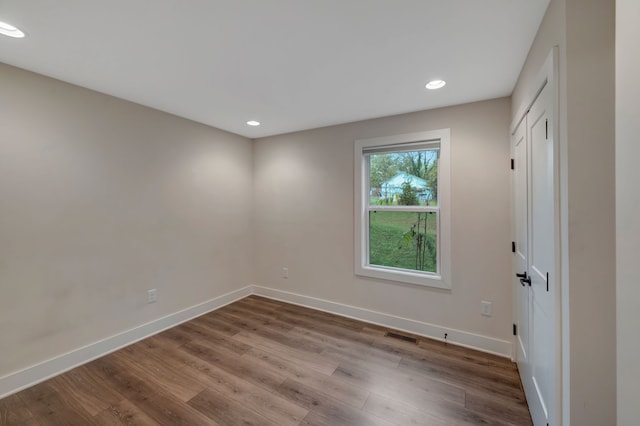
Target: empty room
{"x":284,"y":212}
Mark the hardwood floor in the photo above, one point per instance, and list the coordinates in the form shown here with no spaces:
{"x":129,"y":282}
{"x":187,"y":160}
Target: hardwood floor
{"x":264,"y":362}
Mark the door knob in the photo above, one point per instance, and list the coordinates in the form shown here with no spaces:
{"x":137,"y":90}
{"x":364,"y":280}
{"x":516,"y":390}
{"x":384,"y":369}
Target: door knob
{"x":524,"y":278}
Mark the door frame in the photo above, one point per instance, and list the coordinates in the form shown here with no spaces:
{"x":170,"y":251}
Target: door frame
{"x":549,"y":76}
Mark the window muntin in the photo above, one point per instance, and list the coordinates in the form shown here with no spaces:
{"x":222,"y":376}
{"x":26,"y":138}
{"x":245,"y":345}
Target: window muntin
{"x":402,"y":185}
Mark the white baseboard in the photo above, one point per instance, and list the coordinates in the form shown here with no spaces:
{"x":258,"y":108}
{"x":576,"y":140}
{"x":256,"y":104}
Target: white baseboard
{"x":456,"y":337}
{"x":35,"y":374}
{"x":30,"y":376}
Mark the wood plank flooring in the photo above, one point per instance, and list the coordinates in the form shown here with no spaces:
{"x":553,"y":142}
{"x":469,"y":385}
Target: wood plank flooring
{"x":264,"y":362}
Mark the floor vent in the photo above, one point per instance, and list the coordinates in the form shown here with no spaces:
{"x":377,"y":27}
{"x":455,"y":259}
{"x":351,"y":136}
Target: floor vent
{"x":401,"y":337}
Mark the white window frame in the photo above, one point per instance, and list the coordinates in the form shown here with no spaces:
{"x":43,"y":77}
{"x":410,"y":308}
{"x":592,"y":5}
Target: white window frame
{"x":440,"y":279}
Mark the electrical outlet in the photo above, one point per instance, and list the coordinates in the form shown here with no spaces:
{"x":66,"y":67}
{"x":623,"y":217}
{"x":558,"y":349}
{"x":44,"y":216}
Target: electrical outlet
{"x":285,"y":273}
{"x":485,"y":308}
{"x":152,"y":295}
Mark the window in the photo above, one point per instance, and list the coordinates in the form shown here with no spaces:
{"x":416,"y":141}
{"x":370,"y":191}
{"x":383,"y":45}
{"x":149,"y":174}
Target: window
{"x":402,"y":222}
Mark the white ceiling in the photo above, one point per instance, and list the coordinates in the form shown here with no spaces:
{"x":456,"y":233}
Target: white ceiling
{"x":291,"y":64}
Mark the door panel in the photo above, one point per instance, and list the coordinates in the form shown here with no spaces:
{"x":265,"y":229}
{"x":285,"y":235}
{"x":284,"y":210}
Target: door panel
{"x":542,"y":257}
{"x":520,"y":260}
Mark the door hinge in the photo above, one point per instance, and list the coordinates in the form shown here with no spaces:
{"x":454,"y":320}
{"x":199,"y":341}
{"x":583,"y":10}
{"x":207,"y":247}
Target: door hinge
{"x":513,"y":164}
{"x":547,"y":281}
{"x":513,"y":246}
{"x":546,"y":128}
{"x":515,"y":330}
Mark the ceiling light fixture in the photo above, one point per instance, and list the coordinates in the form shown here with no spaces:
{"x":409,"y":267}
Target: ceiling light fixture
{"x":10,"y":30}
{"x":435,"y":84}
{"x":253,"y":123}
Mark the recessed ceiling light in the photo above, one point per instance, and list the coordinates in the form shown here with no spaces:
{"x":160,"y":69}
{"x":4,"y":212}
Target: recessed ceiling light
{"x":253,"y":123}
{"x":435,"y":84}
{"x":10,"y":30}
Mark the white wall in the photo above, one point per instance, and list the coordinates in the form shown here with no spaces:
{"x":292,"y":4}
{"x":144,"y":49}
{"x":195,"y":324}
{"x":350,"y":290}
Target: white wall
{"x":551,"y":33}
{"x":628,"y":208}
{"x":100,"y":200}
{"x":591,"y":181}
{"x":303,"y":218}
{"x":584,"y":32}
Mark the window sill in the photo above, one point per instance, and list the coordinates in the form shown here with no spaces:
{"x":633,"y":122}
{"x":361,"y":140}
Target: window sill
{"x":403,"y":276}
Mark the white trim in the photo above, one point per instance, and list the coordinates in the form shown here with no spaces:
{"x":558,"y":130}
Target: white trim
{"x":456,"y":337}
{"x":35,"y":374}
{"x":19,"y":380}
{"x":443,"y":278}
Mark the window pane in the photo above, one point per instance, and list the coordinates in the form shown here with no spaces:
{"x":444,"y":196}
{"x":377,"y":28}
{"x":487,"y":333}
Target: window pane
{"x":405,"y":240}
{"x":404,"y":178}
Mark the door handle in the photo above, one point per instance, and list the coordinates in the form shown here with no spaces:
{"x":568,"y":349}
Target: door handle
{"x":524,"y":278}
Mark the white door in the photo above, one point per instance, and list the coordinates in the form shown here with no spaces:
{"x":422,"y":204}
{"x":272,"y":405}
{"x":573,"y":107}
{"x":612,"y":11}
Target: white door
{"x":534,"y":208}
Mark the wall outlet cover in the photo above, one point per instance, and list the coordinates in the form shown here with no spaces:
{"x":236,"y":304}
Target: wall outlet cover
{"x":485,"y":308}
